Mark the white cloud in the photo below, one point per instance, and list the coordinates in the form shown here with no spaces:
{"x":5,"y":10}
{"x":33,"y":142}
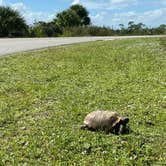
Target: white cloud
{"x":89,"y":4}
{"x":162,"y":2}
{"x":153,"y":17}
{"x":75,"y":2}
{"x":19,"y":7}
{"x":1,"y":2}
{"x":100,"y":12}
{"x":93,"y":5}
{"x":31,"y":16}
{"x":99,"y":18}
{"x":106,"y":5}
{"x":122,"y":3}
{"x":150,"y":18}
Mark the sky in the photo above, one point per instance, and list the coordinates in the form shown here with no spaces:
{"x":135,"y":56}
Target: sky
{"x":102,"y":12}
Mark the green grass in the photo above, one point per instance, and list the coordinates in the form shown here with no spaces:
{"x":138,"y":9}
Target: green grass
{"x":45,"y":95}
{"x":163,"y":42}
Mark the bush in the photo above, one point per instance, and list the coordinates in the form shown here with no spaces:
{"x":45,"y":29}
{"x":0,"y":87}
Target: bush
{"x":88,"y":31}
{"x":43,"y":29}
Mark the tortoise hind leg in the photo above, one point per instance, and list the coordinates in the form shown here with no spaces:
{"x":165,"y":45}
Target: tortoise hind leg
{"x":86,"y":127}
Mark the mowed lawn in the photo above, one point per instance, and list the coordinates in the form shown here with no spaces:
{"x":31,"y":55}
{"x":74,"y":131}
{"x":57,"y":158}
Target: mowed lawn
{"x":45,"y":95}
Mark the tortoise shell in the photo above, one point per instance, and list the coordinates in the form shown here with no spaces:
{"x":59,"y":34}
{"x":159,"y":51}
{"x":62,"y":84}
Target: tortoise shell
{"x":105,"y":120}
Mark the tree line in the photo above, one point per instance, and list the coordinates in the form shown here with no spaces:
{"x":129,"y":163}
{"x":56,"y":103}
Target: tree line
{"x":74,"y":21}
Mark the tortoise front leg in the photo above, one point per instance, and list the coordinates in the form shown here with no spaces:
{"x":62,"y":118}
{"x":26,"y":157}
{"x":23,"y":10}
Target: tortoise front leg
{"x":116,"y":129}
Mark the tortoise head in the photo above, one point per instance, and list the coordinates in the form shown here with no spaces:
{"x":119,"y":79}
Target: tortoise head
{"x":123,"y":127}
{"x":120,"y":125}
{"x":124,"y":120}
{"x":121,"y":121}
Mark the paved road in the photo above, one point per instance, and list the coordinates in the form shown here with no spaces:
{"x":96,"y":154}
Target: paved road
{"x":9,"y":46}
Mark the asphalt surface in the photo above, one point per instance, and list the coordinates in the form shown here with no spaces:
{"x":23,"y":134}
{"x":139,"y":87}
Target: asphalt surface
{"x":14,"y":45}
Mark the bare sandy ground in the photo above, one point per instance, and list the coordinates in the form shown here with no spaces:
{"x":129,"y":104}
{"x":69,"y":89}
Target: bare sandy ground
{"x":14,"y":45}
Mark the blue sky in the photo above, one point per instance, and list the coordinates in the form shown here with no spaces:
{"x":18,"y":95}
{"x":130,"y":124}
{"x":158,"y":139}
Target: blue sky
{"x":102,"y":12}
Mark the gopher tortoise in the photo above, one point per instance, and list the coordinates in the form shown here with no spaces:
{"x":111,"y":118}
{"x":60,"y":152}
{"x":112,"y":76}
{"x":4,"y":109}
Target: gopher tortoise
{"x":105,"y":120}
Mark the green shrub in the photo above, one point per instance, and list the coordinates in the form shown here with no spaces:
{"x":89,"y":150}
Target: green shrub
{"x":88,"y":31}
{"x":43,"y":29}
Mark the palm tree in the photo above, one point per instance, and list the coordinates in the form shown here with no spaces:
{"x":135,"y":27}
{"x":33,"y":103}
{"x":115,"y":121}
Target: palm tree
{"x":11,"y":23}
{"x":75,"y":16}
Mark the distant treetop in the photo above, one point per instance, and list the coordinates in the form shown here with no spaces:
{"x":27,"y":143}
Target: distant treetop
{"x":76,"y":15}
